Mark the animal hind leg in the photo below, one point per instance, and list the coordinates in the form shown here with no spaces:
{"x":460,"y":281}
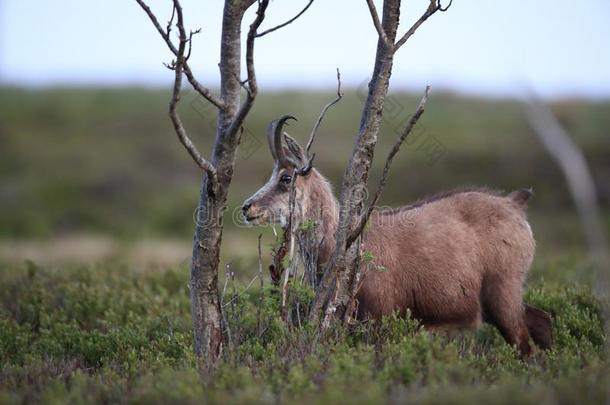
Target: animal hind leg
{"x":503,"y":308}
{"x":539,"y":325}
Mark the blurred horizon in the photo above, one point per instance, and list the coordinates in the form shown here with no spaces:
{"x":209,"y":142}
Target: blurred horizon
{"x":88,"y":150}
{"x":485,"y":50}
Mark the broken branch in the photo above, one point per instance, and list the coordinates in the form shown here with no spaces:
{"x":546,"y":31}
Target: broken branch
{"x":277,"y":27}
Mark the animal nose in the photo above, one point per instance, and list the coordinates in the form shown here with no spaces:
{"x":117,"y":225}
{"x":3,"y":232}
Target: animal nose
{"x":246,"y":207}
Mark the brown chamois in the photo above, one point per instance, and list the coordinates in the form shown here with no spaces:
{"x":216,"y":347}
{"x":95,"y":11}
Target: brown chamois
{"x":454,"y":260}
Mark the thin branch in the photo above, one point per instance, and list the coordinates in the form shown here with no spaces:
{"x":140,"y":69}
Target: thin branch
{"x":314,"y":130}
{"x":377,"y":23}
{"x":168,"y":29}
{"x":173,"y":113}
{"x":165,"y":34}
{"x":277,"y":27}
{"x":262,"y":286}
{"x":190,"y":41}
{"x":435,"y":5}
{"x":199,"y":88}
{"x":222,"y":311}
{"x":303,"y":171}
{"x":236,"y":296}
{"x":289,"y":239}
{"x":251,"y":72}
{"x":443,"y":9}
{"x":243,"y":83}
{"x":380,"y":186}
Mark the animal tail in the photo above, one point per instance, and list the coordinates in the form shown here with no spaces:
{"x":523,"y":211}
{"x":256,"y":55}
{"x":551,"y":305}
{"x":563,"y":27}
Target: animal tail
{"x":539,"y":326}
{"x":520,"y":197}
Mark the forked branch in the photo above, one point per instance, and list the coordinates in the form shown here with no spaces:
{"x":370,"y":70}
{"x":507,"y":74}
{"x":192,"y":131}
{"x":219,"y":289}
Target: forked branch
{"x":386,"y":169}
{"x":165,"y":34}
{"x":173,"y":113}
{"x":435,"y":5}
{"x":377,"y":22}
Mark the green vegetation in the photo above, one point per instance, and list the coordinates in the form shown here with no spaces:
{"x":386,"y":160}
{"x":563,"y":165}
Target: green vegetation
{"x":108,"y":334}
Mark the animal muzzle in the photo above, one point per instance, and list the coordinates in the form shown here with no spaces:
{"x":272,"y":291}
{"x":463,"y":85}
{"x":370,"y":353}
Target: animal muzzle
{"x":251,"y":212}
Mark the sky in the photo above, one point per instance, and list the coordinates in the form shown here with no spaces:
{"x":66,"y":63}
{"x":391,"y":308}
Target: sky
{"x":492,"y":48}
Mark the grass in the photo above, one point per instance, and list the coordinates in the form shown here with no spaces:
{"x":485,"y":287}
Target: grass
{"x":108,"y":334}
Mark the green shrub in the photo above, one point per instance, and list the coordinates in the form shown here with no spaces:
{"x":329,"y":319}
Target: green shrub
{"x":108,"y":334}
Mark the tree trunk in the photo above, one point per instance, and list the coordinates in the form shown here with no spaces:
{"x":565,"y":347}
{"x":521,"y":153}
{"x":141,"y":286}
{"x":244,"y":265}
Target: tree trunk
{"x":572,"y":162}
{"x":333,"y":297}
{"x":205,"y":304}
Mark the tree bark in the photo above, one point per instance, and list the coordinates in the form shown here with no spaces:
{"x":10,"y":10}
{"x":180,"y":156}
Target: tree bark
{"x":205,"y":303}
{"x":332,"y":299}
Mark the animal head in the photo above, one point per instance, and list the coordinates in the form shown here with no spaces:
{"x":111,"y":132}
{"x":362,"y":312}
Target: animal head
{"x":270,"y":204}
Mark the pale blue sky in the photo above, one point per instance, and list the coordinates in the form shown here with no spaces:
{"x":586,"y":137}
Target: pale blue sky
{"x":559,"y":48}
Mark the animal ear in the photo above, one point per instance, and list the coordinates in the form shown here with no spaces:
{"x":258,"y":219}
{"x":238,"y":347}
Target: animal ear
{"x":294,"y":151}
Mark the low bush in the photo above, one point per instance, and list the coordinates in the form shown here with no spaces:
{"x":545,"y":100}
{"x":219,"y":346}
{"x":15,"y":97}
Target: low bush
{"x":109,"y":334}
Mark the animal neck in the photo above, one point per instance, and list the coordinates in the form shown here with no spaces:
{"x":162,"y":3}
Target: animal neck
{"x":320,"y":215}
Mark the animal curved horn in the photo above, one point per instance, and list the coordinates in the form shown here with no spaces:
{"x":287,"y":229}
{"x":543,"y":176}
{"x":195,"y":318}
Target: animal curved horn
{"x":271,"y":140}
{"x":274,"y":138}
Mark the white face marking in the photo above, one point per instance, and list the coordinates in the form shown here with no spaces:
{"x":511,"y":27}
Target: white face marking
{"x":270,"y":204}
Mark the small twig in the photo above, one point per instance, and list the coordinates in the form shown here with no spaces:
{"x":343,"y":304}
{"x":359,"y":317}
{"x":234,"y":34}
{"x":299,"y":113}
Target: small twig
{"x":243,"y":83}
{"x":298,"y":310}
{"x":435,"y":5}
{"x":224,"y":289}
{"x":443,"y":9}
{"x":260,"y":277}
{"x":168,"y":29}
{"x":288,"y":245}
{"x":190,"y":41}
{"x":380,"y":186}
{"x":377,"y":23}
{"x":173,"y":113}
{"x":277,"y":267}
{"x":164,"y":33}
{"x":277,"y":27}
{"x":314,"y":130}
{"x":236,"y":296}
{"x":222,"y":311}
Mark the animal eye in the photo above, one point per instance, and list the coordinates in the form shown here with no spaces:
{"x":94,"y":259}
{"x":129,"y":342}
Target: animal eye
{"x":286,"y":179}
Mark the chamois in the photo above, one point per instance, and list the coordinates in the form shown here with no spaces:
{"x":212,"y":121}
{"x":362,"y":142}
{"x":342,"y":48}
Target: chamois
{"x":454,"y":260}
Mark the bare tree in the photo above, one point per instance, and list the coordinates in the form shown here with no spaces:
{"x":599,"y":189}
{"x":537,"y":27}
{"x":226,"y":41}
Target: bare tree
{"x":572,"y":162}
{"x":218,"y":172}
{"x":334,"y":298}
